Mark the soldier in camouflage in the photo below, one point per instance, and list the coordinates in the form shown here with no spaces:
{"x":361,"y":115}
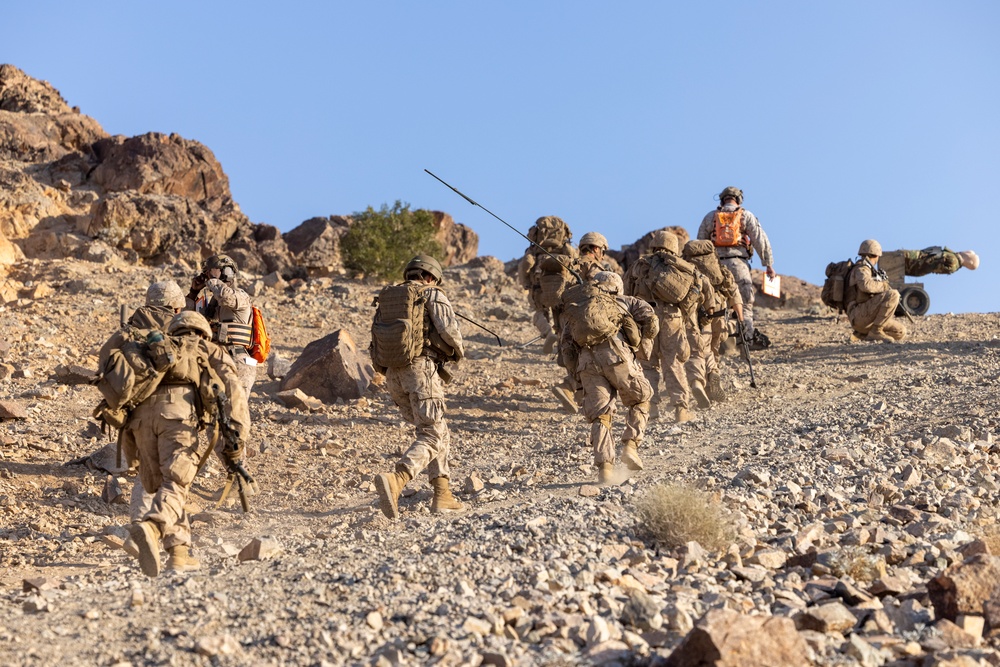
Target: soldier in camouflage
{"x":871,"y":301}
{"x":936,"y":259}
{"x":419,"y":393}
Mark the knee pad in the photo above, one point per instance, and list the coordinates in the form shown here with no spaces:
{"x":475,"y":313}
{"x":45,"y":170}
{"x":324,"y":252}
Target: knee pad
{"x":604,"y":419}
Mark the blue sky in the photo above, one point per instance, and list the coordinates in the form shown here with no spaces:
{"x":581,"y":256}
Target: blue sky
{"x":840,"y":120}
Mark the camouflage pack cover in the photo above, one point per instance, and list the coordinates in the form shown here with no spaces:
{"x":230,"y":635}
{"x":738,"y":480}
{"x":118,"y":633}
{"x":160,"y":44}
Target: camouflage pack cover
{"x":591,"y":314}
{"x":398,"y":326}
{"x":670,"y":279}
{"x":701,"y":253}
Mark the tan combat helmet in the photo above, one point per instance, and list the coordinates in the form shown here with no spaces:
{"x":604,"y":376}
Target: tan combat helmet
{"x":664,"y":240}
{"x":224,"y":263}
{"x":969,"y":259}
{"x":423,"y":263}
{"x":595,"y":239}
{"x":165,"y":293}
{"x":188,"y":321}
{"x":870,"y":247}
{"x":733,"y":192}
{"x":609,"y":281}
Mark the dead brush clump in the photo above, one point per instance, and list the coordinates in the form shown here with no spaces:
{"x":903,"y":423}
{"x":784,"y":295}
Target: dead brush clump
{"x":674,"y":514}
{"x":857,"y":563}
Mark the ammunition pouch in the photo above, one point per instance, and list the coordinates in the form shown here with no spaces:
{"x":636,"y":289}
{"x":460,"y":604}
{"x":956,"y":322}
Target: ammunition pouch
{"x":630,"y":332}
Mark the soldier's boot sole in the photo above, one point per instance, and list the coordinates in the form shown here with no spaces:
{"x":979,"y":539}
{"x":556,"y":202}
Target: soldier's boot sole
{"x":566,"y":400}
{"x":146,"y":537}
{"x":389,"y":486}
{"x":715,"y":391}
{"x":698,"y":391}
{"x":630,"y":457}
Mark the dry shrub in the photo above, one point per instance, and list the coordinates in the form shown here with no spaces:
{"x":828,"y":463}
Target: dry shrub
{"x":859,"y":564}
{"x":674,"y":514}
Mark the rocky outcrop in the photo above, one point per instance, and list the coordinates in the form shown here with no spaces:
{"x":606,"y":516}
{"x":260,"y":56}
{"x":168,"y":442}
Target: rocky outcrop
{"x":315,"y":244}
{"x":459,"y":243}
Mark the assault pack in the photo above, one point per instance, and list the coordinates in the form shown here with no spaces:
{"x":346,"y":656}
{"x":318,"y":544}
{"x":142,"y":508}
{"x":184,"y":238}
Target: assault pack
{"x":835,"y":288}
{"x":728,"y":230}
{"x":702,"y":255}
{"x":553,"y":276}
{"x":549,"y":228}
{"x":398,"y":326}
{"x":591,"y":314}
{"x":670,"y":279}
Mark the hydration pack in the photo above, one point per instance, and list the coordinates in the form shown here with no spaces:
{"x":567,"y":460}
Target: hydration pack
{"x":728,"y":230}
{"x":591,"y":314}
{"x":836,"y":286}
{"x":398,"y":327}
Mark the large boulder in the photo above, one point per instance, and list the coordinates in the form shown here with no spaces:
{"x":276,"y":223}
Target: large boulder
{"x":460,"y":244}
{"x":965,"y":588}
{"x":331,"y":368}
{"x":260,"y":249}
{"x":21,"y":93}
{"x":315,"y":244}
{"x":725,"y":638}
{"x":160,"y":228}
{"x":161,"y":164}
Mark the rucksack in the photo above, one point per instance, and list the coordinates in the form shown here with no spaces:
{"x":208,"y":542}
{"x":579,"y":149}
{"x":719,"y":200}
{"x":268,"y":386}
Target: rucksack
{"x":670,"y":279}
{"x":398,"y":326}
{"x":702,"y":255}
{"x":835,"y":287}
{"x":553,"y":275}
{"x":636,"y":279}
{"x":728,"y":230}
{"x":549,"y":228}
{"x":131,"y":374}
{"x":591,"y":314}
{"x":260,"y":341}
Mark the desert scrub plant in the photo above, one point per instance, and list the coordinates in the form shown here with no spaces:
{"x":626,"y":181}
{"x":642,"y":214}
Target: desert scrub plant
{"x":856,"y":562}
{"x":379,"y":243}
{"x":674,"y":514}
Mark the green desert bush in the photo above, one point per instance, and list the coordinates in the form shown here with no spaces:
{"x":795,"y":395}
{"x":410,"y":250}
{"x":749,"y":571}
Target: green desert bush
{"x":380,"y":243}
{"x":674,"y":514}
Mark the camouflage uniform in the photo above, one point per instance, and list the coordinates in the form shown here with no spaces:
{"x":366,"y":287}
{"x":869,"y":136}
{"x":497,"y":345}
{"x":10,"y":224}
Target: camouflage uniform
{"x":164,"y":429}
{"x":737,"y":258}
{"x":608,"y":370}
{"x":418,"y":392}
{"x":873,"y":306}
{"x":929,"y":260}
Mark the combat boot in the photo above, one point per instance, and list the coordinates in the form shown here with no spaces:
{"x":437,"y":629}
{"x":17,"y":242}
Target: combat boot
{"x":715,"y":391}
{"x":698,"y":391}
{"x":389,"y":486}
{"x":181,"y":560}
{"x":146,"y":537}
{"x":877,"y":335}
{"x":605,"y":472}
{"x":630,"y":455}
{"x":654,"y":409}
{"x":443,"y":500}
{"x":682,"y":414}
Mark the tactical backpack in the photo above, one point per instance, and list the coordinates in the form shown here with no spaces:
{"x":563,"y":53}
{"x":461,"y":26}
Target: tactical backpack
{"x":835,"y":288}
{"x":637,"y":279}
{"x":591,"y":314}
{"x":728,"y":230}
{"x":260,"y":341}
{"x":549,"y":228}
{"x":670,"y":279}
{"x":131,"y":374}
{"x":398,"y":327}
{"x":702,"y":255}
{"x":553,"y":274}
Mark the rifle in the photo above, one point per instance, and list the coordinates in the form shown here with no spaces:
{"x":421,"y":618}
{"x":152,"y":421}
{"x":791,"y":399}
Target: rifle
{"x":576,"y":275}
{"x":236,"y":470}
{"x":746,"y":350}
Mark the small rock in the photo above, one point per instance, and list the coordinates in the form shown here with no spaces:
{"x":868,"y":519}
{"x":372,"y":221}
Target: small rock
{"x":260,"y":548}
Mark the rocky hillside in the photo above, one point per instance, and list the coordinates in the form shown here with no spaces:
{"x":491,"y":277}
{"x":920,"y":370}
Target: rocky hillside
{"x":860,"y":482}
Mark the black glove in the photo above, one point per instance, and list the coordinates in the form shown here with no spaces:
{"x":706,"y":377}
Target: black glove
{"x":198,"y":282}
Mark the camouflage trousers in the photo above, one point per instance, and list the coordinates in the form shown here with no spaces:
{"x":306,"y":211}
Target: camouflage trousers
{"x":679,"y":342}
{"x":702,"y":362}
{"x":417,"y":391}
{"x":608,"y":370}
{"x":740,"y":269}
{"x":165,"y":431}
{"x":877,"y":313}
{"x":931,"y":260}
